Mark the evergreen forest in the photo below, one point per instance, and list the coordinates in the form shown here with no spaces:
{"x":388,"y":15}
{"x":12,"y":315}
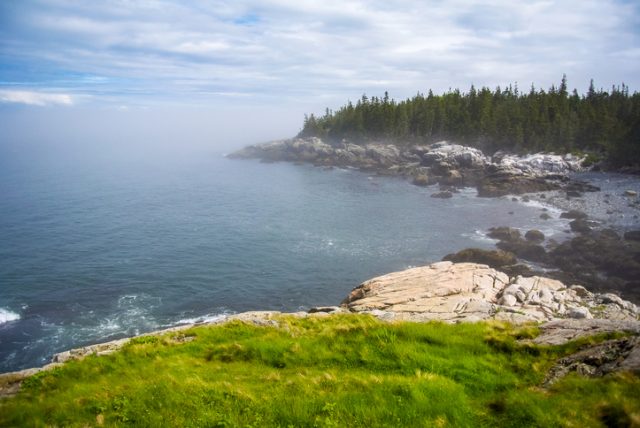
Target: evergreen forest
{"x":605,"y":124}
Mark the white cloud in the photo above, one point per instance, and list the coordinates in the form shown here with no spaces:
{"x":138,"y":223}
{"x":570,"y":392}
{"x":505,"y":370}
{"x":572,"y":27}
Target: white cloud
{"x":300,"y":50}
{"x":34,"y":98}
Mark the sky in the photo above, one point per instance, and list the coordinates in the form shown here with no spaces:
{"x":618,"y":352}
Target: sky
{"x":261,"y":65}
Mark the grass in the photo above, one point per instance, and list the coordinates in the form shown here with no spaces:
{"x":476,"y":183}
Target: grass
{"x":337,"y":371}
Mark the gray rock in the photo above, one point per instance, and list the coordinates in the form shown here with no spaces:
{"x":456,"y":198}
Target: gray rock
{"x":579,"y":313}
{"x":508,"y":300}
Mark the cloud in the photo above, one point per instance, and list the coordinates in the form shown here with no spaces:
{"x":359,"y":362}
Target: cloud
{"x":285,"y":51}
{"x":34,"y":98}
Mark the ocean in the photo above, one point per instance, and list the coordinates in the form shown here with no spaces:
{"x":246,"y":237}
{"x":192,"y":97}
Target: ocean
{"x":95,"y":247}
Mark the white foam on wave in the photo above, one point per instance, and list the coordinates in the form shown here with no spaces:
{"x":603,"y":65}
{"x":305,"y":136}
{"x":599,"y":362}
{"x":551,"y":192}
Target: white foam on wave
{"x":536,"y":203}
{"x":7,"y":316}
{"x":479,"y":236}
{"x":209,"y":318}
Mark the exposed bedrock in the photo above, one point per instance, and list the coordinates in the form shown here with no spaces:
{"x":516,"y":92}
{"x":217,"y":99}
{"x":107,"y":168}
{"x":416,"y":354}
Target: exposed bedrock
{"x":443,"y":162}
{"x":455,"y":292}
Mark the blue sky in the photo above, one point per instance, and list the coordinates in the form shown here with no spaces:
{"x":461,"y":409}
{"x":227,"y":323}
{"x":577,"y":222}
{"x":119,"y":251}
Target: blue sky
{"x":302,"y":55}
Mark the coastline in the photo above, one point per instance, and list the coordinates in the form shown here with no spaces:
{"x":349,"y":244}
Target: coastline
{"x":444,"y":292}
{"x":608,"y":252}
{"x":255,"y":317}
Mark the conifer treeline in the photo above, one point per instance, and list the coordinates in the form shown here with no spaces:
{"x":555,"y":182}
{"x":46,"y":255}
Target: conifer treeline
{"x":605,"y":123}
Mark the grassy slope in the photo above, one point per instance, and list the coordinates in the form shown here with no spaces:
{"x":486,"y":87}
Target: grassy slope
{"x":347,"y":370}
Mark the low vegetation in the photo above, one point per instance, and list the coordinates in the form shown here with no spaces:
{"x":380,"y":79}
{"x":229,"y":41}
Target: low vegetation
{"x":346,"y":370}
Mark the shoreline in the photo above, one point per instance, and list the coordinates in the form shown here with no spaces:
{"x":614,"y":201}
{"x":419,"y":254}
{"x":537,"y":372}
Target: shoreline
{"x":169,"y":329}
{"x":586,"y":313}
{"x":448,"y":164}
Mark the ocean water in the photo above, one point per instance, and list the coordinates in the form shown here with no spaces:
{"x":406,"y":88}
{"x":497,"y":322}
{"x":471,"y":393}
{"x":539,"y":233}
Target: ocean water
{"x":95,"y":247}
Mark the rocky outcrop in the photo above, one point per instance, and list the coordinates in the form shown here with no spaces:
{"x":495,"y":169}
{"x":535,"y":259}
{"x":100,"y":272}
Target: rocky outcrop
{"x":592,"y":360}
{"x":443,"y":162}
{"x":560,"y":332}
{"x":599,"y":360}
{"x":470,"y":292}
{"x":600,"y":259}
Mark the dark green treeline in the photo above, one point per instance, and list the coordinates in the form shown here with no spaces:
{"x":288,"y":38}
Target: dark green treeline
{"x":604,"y":123}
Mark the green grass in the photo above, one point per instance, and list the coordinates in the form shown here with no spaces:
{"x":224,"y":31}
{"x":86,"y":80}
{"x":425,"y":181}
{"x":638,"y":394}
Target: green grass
{"x":346,"y":371}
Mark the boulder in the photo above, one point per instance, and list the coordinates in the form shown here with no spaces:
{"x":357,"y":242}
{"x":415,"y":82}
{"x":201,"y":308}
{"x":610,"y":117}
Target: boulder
{"x":421,"y":180}
{"x":453,"y":156}
{"x":581,"y":225}
{"x":574,"y":215}
{"x":534,"y":235}
{"x":504,"y":233}
{"x":384,"y":155}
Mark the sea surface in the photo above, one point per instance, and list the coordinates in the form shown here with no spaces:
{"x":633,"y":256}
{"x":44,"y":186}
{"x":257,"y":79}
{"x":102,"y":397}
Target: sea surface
{"x":95,"y":247}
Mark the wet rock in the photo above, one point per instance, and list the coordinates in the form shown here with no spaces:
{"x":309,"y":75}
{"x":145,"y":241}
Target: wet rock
{"x":630,"y":193}
{"x":516,"y":270}
{"x":573,"y":214}
{"x":524,"y":249}
{"x":442,"y":195}
{"x":534,"y":235}
{"x":601,"y":261}
{"x":581,"y":225}
{"x":492,"y":258}
{"x":500,"y":183}
{"x":545,"y":216}
{"x":504,"y":233}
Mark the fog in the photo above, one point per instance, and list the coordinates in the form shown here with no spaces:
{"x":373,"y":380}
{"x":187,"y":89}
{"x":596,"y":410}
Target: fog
{"x":158,"y":131}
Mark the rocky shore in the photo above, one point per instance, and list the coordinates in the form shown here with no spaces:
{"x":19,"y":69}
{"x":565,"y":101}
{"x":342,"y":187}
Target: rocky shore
{"x":476,"y":284}
{"x":595,"y":256}
{"x":457,"y":292}
{"x":443,"y":163}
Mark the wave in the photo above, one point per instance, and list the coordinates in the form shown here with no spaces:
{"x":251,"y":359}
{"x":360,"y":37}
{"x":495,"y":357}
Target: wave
{"x":210,"y":318}
{"x":8,"y":316}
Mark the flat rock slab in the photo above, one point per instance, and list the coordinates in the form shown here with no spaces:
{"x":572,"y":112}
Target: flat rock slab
{"x":563,"y":331}
{"x":454,"y":292}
